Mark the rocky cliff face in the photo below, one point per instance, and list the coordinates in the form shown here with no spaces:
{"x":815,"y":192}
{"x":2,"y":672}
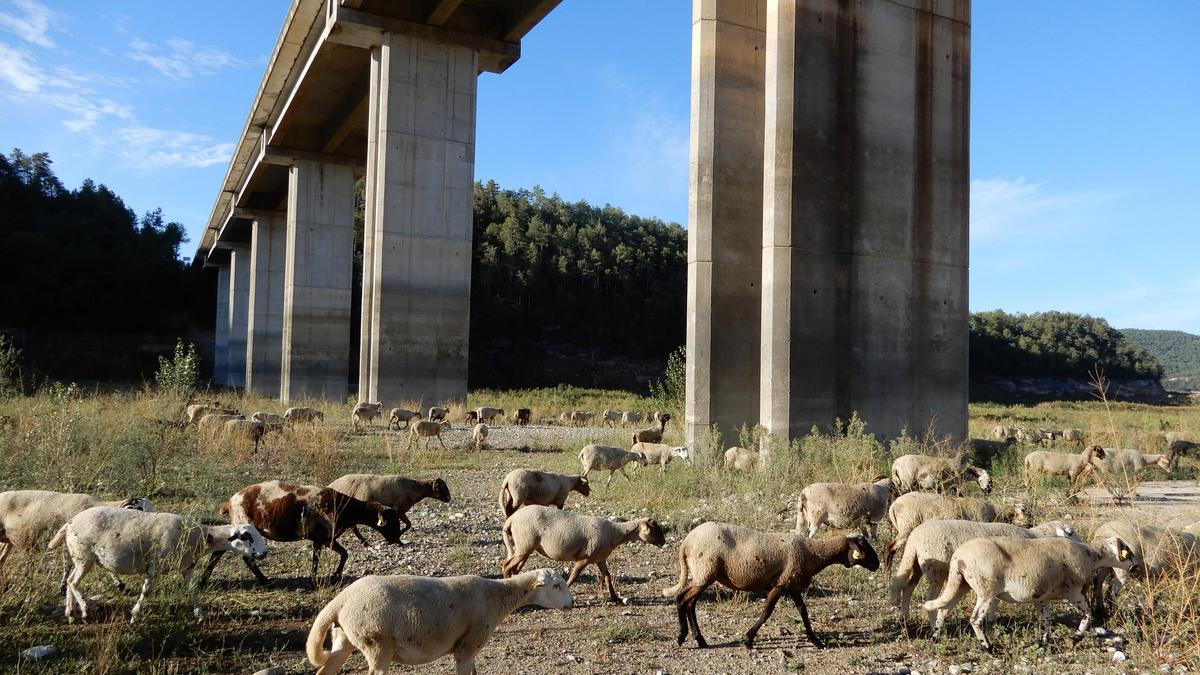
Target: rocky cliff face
{"x":1060,"y":388}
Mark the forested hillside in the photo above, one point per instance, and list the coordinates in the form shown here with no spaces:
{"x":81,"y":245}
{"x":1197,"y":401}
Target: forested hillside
{"x":1177,"y":351}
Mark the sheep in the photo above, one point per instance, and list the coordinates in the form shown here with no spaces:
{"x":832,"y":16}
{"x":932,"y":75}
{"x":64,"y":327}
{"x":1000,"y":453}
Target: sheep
{"x":580,"y":418}
{"x":272,"y":421}
{"x":742,"y":459}
{"x":914,"y":472}
{"x":296,"y":415}
{"x":399,"y":415}
{"x":249,"y":429}
{"x":478,"y":436}
{"x":126,"y":541}
{"x":844,"y":505}
{"x":1181,"y":447}
{"x":486,"y":414}
{"x":196,"y":411}
{"x":1127,"y":463}
{"x":27,"y":515}
{"x":1023,"y":571}
{"x":416,"y":620}
{"x":609,"y":418}
{"x":427,"y":429}
{"x":932,"y":543}
{"x":365,"y":412}
{"x":749,"y":560}
{"x":288,"y":512}
{"x":653,"y":434}
{"x":628,"y":418}
{"x":607,"y":457}
{"x":398,"y":492}
{"x":1163,"y":552}
{"x":438,"y":414}
{"x":212,"y":422}
{"x":912,"y":509}
{"x":569,"y":537}
{"x":1031,"y":436}
{"x":524,"y":487}
{"x":1044,"y":462}
{"x":523,"y":416}
{"x":662,"y":454}
{"x":470,"y":417}
{"x":1072,"y":435}
{"x":1003,"y":433}
{"x":564,"y":418}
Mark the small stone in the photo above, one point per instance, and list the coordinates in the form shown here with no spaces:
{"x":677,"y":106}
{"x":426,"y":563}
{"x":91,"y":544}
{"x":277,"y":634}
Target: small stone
{"x":39,"y":652}
{"x":572,"y":658}
{"x":1102,"y":631}
{"x":966,"y":668}
{"x":955,"y":670}
{"x":1164,"y":668}
{"x":904,"y":670}
{"x":627,"y":613}
{"x":1119,"y":656}
{"x":273,"y":670}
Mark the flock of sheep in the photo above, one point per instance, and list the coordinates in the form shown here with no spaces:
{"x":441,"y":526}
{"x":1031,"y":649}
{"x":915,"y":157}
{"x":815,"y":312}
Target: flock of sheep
{"x":957,"y":543}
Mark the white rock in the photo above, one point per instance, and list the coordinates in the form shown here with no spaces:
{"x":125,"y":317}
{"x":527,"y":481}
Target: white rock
{"x":1119,"y":656}
{"x":955,"y":670}
{"x":39,"y":652}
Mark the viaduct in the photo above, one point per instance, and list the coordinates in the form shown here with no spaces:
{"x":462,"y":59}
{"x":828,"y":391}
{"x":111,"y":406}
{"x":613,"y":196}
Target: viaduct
{"x":827,"y":219}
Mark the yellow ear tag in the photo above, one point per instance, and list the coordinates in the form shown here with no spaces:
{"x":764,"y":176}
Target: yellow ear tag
{"x":856,"y":554}
{"x":1124,"y":554}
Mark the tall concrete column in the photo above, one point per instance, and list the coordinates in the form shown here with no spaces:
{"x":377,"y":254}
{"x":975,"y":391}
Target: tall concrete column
{"x":865,"y":215}
{"x":220,"y":374}
{"x":725,"y":216}
{"x":417,"y":239}
{"x":264,"y":342}
{"x":318,"y":273}
{"x":239,"y":313}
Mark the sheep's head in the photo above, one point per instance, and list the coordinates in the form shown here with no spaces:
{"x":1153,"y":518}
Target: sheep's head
{"x":247,"y":541}
{"x":1095,"y":451}
{"x":860,"y":553}
{"x":388,"y":523}
{"x":319,"y":415}
{"x":1022,"y":515}
{"x":640,"y":458}
{"x":550,"y":590}
{"x":651,"y":532}
{"x":1122,"y":555}
{"x":138,"y":504}
{"x":582,"y":486}
{"x":441,"y":491}
{"x":682,"y":453}
{"x":984,"y":479}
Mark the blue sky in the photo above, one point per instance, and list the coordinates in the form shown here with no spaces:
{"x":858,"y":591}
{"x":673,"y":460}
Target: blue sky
{"x":1084,"y":145}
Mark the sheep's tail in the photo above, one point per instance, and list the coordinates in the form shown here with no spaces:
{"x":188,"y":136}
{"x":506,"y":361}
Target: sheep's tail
{"x":506,"y":500}
{"x":896,"y":545}
{"x":952,"y":590}
{"x":506,"y":535}
{"x":803,"y":509}
{"x":315,"y":647}
{"x":683,"y":574}
{"x":58,"y":538}
{"x":224,"y":510}
{"x":905,"y":573}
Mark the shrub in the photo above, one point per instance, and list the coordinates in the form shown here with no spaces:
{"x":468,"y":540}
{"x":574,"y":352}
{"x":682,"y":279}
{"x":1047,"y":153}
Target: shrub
{"x":670,"y":390}
{"x":179,"y":373}
{"x":10,"y":368}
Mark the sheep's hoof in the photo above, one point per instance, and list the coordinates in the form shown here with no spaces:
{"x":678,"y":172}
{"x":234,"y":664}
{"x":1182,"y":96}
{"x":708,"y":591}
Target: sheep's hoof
{"x":679,"y":640}
{"x":817,"y":644}
{"x":748,"y":642}
{"x":701,"y":643}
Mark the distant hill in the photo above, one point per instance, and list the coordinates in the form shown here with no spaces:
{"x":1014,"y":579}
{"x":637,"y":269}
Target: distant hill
{"x":1178,"y":353}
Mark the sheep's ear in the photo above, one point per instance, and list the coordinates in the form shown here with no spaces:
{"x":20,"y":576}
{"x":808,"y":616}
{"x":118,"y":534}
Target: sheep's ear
{"x":538,"y":583}
{"x":208,"y":539}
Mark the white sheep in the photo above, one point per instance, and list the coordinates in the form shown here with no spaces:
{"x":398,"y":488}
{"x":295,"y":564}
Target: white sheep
{"x":253,"y":430}
{"x":365,"y":412}
{"x":923,"y":472}
{"x":1004,"y":433}
{"x":609,"y":418}
{"x":844,"y":505}
{"x":912,"y":509}
{"x":297,"y":414}
{"x":437,"y":413}
{"x":1126,"y":463}
{"x":523,"y":487}
{"x":273,"y":421}
{"x":653,"y":434}
{"x":569,"y":537}
{"x":416,"y":620}
{"x":403,"y":415}
{"x":212,"y":422}
{"x":581,"y":417}
{"x":930,"y":546}
{"x":606,"y":457}
{"x":427,"y":429}
{"x":628,"y":418}
{"x":742,"y":459}
{"x":125,"y":541}
{"x":486,"y":414}
{"x":1030,"y":436}
{"x":1023,"y":571}
{"x":478,"y":436}
{"x":1073,"y":466}
{"x":662,"y":454}
{"x":196,"y":411}
{"x":1163,"y":552}
{"x":1073,"y":435}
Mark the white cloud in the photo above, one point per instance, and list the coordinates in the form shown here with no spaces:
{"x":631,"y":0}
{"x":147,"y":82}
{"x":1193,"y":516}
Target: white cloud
{"x":31,"y":21}
{"x":18,"y":70}
{"x":181,"y":59}
{"x":1017,"y":208}
{"x":148,"y":147}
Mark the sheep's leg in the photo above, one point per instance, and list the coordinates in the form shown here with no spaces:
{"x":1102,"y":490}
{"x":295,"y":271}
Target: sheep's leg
{"x":464,"y":665}
{"x":343,"y":555}
{"x":342,"y":649}
{"x":612,"y":590}
{"x":62,"y":585}
{"x":361,"y":538}
{"x":73,"y":594}
{"x":681,"y":611}
{"x":137,"y":606}
{"x":117,"y":580}
{"x":625,"y":474}
{"x":610,"y":477}
{"x":772,"y":597}
{"x":985,"y":606}
{"x":579,"y":565}
{"x":874,"y":528}
{"x":937,"y":617}
{"x":262,"y":578}
{"x":379,"y":658}
{"x":513,"y":565}
{"x":212,"y":562}
{"x":193,"y":593}
{"x":1076,"y":598}
{"x":798,"y":598}
{"x":5,"y":549}
{"x":440,"y":441}
{"x":1043,"y":611}
{"x":686,"y":601}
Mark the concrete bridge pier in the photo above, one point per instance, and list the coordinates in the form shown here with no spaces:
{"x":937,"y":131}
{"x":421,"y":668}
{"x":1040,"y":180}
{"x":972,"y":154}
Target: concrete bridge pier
{"x":239,"y":306}
{"x":220,"y":371}
{"x":264,"y":341}
{"x":417,"y":234}
{"x":318,"y":272}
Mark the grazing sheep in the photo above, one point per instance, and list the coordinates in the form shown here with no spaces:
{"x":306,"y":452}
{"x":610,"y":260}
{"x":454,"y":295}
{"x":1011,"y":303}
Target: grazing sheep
{"x":273,"y":421}
{"x":564,"y":418}
{"x":196,"y":411}
{"x":486,"y":414}
{"x":1162,"y":551}
{"x":403,"y":415}
{"x":912,"y":509}
{"x":1181,"y":447}
{"x":296,"y":415}
{"x":609,"y":418}
{"x":930,"y":546}
{"x":607,"y":457}
{"x":416,"y":620}
{"x":662,"y":454}
{"x":844,"y":505}
{"x":365,"y":412}
{"x":523,"y":416}
{"x":1072,"y":435}
{"x":748,"y":560}
{"x":1003,"y":433}
{"x":1022,"y":571}
{"x":742,"y":459}
{"x":1125,"y":462}
{"x":653,"y":434}
{"x":478,"y":436}
{"x":288,"y":512}
{"x":212,"y":423}
{"x":126,"y":541}
{"x":568,"y":537}
{"x":398,"y":492}
{"x":982,"y":447}
{"x":580,"y":418}
{"x":922,"y":472}
{"x":1031,"y":436}
{"x":628,"y":418}
{"x":525,"y":487}
{"x":253,"y":430}
{"x":426,"y":429}
{"x":1044,"y":462}
{"x":438,"y":414}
